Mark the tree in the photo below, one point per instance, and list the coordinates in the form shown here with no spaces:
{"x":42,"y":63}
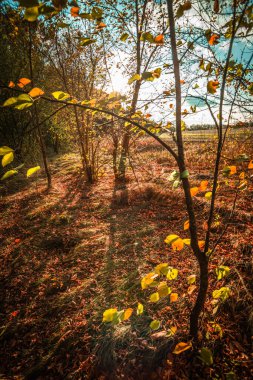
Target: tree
{"x":220,"y":70}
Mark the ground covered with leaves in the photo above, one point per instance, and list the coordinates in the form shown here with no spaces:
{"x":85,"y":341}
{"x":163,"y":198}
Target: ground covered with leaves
{"x":69,"y":254}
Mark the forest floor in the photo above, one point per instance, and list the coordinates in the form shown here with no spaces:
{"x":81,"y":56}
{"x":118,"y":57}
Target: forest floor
{"x":71,"y":253}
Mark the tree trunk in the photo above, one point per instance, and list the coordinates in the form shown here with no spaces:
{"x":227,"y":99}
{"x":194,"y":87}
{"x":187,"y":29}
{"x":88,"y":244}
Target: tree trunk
{"x":200,"y":302}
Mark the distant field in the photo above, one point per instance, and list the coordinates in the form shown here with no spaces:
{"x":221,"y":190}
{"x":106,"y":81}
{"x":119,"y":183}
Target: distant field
{"x":210,"y":134}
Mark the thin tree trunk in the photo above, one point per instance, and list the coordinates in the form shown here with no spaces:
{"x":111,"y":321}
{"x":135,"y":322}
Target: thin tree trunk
{"x":36,"y":120}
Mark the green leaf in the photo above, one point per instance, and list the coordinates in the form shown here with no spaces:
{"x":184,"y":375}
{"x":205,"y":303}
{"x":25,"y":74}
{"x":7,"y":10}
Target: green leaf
{"x":31,"y":14}
{"x":162,"y":268}
{"x":206,"y":356}
{"x":87,"y":41}
{"x":140,"y":308}
{"x":7,"y":159}
{"x":154,"y":297}
{"x":23,"y":101}
{"x":134,"y":78}
{"x":155,"y":325}
{"x":184,"y":174}
{"x":147,"y":36}
{"x":4,"y":150}
{"x":124,"y":37}
{"x":31,"y":171}
{"x":8,"y":174}
{"x":60,"y":95}
{"x":222,"y":271}
{"x":86,"y":16}
{"x":173,"y":176}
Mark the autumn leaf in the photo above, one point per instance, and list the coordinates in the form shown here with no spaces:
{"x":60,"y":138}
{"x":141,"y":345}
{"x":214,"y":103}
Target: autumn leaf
{"x":74,"y":11}
{"x":232,"y":170}
{"x":178,"y":245}
{"x":208,"y":195}
{"x":203,"y":185}
{"x":127,"y":314}
{"x":181,"y":347}
{"x":36,"y":92}
{"x":186,"y":225}
{"x":11,"y":84}
{"x":7,"y":159}
{"x":194,"y":191}
{"x":214,"y":39}
{"x":159,"y":40}
{"x":109,"y":315}
{"x":212,"y":86}
{"x":31,"y":171}
{"x":201,"y":244}
{"x":173,"y":297}
{"x":100,"y":26}
{"x":140,"y":308}
{"x":250,"y":166}
{"x":23,"y":82}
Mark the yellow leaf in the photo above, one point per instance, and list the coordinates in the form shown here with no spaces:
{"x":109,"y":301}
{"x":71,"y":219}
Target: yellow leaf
{"x":163,"y":289}
{"x":23,"y":82}
{"x":154,"y":297}
{"x":178,"y":245}
{"x":74,"y":11}
{"x":127,"y":313}
{"x":8,"y":174}
{"x":181,"y":347}
{"x":201,"y":244}
{"x":191,"y":279}
{"x":186,"y":225}
{"x":31,"y":171}
{"x":109,"y":315}
{"x":170,"y":238}
{"x":187,"y":241}
{"x":159,"y":40}
{"x":194,"y":191}
{"x":203,"y":185}
{"x":140,"y":308}
{"x":7,"y":159}
{"x":36,"y":92}
{"x":173,"y":297}
{"x":11,"y":84}
{"x":148,"y":279}
{"x":208,"y":195}
{"x":242,"y":175}
{"x":250,"y":166}
{"x":4,"y":150}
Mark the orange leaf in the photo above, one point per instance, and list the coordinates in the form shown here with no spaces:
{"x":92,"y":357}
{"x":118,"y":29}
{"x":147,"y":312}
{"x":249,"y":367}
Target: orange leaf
{"x":100,"y":26}
{"x":15,"y":313}
{"x":17,"y":241}
{"x":177,"y":245}
{"x":74,"y":11}
{"x":203,"y":185}
{"x":205,"y":226}
{"x":232,"y":170}
{"x":127,"y":313}
{"x":201,"y":244}
{"x":186,"y":225}
{"x":159,"y":40}
{"x":36,"y":92}
{"x":182,"y":81}
{"x":181,"y":347}
{"x":173,"y":297}
{"x":214,"y":39}
{"x":194,"y":191}
{"x":171,"y":105}
{"x":250,"y":166}
{"x":11,"y":84}
{"x":23,"y":82}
